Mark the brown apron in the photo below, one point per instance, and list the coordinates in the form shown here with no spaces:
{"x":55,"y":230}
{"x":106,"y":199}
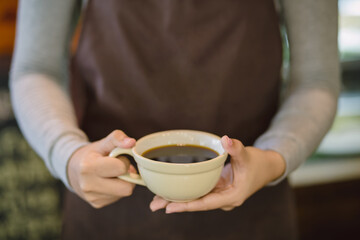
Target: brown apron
{"x":152,"y":65}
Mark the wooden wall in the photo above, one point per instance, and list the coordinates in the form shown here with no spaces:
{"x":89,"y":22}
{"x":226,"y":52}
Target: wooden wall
{"x":7,"y":26}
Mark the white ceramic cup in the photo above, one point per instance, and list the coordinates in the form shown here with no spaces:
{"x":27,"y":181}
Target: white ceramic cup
{"x":177,"y":182}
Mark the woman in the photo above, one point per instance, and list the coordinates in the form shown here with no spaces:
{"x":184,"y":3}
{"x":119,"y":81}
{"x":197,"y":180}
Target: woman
{"x":146,"y":66}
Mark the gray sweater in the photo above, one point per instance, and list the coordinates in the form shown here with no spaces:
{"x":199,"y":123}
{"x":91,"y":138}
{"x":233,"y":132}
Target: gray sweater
{"x":43,"y":109}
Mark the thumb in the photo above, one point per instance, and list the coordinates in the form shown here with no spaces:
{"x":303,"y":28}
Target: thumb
{"x":115,"y":139}
{"x":232,"y":146}
{"x":235,"y":149}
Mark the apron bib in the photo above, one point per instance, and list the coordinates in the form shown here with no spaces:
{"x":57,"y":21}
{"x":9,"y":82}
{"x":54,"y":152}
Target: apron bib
{"x":153,"y":65}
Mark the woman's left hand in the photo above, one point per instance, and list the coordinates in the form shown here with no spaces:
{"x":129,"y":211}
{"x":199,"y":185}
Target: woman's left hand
{"x":249,"y":170}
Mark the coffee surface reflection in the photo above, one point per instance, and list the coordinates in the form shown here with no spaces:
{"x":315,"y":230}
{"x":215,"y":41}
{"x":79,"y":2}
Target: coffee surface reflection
{"x":180,"y":154}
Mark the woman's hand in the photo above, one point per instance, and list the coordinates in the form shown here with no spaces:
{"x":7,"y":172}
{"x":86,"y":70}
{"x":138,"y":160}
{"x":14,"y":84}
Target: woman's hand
{"x":250,"y":170}
{"x":93,"y":175}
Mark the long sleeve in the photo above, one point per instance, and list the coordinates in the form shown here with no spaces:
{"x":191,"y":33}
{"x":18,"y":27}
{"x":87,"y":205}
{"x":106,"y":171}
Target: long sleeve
{"x":310,"y":102}
{"x":46,"y":117}
{"x":38,"y":81}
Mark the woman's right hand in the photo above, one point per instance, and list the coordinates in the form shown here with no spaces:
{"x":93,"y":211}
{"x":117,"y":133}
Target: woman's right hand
{"x":93,"y":175}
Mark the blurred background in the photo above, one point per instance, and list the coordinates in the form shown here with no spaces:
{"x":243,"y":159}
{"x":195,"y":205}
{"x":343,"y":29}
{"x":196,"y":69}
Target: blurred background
{"x":327,"y":186}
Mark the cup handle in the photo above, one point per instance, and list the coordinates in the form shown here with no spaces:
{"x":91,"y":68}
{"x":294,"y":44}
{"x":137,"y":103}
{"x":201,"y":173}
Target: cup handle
{"x":129,"y":177}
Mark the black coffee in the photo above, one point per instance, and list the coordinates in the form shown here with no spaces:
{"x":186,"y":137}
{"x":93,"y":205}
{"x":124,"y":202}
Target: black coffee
{"x":180,"y":154}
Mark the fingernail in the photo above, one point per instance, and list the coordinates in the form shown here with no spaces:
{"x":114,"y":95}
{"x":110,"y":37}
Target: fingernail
{"x":168,"y":211}
{"x":127,"y":140}
{"x":132,"y":169}
{"x":228,"y":140}
{"x":152,"y":207}
{"x":173,"y":208}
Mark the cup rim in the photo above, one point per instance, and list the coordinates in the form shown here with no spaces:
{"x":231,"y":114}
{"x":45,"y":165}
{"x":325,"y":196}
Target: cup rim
{"x":179,"y":168}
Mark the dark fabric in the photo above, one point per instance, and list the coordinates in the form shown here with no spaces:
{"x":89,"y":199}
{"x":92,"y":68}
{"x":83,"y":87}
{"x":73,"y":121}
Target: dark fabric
{"x":152,"y":65}
{"x":269,"y":214}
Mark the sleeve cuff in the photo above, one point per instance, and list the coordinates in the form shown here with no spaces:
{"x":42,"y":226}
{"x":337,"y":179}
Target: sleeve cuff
{"x":62,"y":151}
{"x":288,"y":147}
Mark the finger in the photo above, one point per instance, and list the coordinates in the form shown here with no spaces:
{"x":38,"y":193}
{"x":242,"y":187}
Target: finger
{"x":132,"y":169}
{"x":238,"y":155}
{"x":226,"y":178}
{"x":220,"y":184}
{"x":113,"y":187}
{"x":211,"y":201}
{"x":227,"y":208}
{"x":100,"y":200}
{"x":158,"y":203}
{"x":233,"y":146}
{"x":111,"y":167}
{"x":115,"y":139}
{"x":104,"y":202}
